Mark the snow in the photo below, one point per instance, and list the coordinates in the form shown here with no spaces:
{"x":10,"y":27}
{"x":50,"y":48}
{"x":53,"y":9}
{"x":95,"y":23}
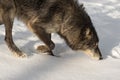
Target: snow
{"x":70,"y":65}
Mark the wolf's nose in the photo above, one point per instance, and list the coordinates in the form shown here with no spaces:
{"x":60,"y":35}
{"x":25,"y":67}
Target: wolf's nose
{"x":101,"y":58}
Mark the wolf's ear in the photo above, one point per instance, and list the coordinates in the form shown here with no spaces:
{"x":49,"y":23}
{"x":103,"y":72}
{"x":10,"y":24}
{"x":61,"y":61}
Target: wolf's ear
{"x":87,"y":33}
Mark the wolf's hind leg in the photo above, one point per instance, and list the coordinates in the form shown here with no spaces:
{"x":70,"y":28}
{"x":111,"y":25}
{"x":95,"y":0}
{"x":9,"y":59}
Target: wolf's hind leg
{"x":8,"y":36}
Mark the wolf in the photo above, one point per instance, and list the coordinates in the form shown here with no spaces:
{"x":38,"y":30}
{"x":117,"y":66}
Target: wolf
{"x":44,"y":17}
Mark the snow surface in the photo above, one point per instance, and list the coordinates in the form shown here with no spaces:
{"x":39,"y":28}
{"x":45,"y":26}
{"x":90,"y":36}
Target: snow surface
{"x":71,"y":65}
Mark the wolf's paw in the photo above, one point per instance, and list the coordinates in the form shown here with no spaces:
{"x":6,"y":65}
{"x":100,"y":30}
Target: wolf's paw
{"x":19,"y":54}
{"x":44,"y":49}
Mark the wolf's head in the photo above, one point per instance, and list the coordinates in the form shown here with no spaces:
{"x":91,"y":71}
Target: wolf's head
{"x":80,"y":33}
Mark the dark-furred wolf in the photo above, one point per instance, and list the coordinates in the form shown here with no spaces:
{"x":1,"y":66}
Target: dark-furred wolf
{"x":43,"y":17}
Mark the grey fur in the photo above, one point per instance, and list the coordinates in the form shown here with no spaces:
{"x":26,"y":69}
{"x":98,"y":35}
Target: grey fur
{"x":43,"y":17}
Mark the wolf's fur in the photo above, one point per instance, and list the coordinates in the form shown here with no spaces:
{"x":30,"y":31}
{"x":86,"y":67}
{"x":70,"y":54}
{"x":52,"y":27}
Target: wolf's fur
{"x":44,"y":17}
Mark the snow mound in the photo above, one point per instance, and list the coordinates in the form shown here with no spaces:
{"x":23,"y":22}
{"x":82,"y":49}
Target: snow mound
{"x":116,"y":51}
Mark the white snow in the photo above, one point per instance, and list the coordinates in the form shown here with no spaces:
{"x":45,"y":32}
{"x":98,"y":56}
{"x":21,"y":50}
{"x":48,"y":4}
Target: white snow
{"x":71,"y":65}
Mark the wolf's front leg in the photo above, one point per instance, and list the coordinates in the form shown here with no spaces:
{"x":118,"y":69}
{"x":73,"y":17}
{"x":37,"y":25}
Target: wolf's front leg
{"x":45,"y":37}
